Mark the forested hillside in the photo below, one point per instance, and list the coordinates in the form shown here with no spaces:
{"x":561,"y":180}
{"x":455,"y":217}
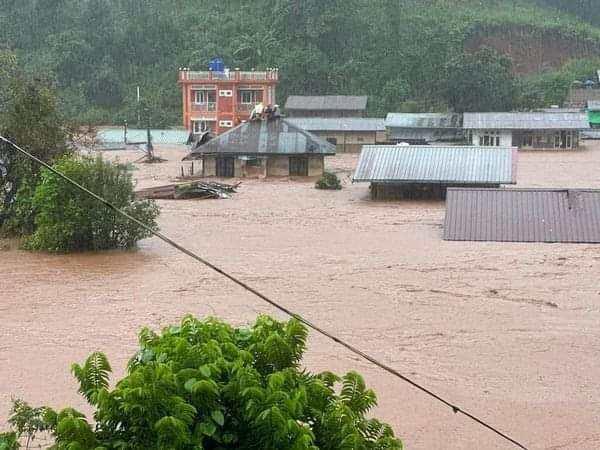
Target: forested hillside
{"x":398,"y":52}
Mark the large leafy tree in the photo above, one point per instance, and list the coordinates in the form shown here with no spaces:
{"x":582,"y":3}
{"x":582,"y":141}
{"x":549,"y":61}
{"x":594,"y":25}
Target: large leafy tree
{"x":207,"y":385}
{"x":481,"y":81}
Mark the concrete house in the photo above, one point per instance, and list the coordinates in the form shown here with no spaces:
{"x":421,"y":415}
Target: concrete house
{"x":348,"y":134}
{"x":526,"y":130}
{"x":423,"y":128}
{"x":399,"y":172}
{"x":326,"y":106}
{"x":263,"y":148}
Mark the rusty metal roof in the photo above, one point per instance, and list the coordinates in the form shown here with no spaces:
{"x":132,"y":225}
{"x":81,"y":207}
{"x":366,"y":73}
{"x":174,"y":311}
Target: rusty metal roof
{"x":423,"y":120}
{"x":355,"y":124}
{"x":327,"y":102}
{"x":274,"y":137}
{"x":523,"y":215}
{"x":525,"y":121}
{"x":433,"y":164}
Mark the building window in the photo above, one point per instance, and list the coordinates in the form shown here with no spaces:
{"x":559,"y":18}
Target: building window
{"x":201,"y":126}
{"x":250,"y":97}
{"x":490,"y":138}
{"x":225,"y":93}
{"x":527,"y":140}
{"x":332,"y":141}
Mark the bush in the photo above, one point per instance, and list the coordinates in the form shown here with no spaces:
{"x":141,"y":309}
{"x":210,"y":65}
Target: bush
{"x":66,"y":219}
{"x":206,"y":385}
{"x":328,"y":181}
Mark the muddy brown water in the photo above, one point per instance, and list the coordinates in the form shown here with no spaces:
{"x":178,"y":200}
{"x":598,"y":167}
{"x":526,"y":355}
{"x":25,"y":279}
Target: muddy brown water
{"x":510,"y":332}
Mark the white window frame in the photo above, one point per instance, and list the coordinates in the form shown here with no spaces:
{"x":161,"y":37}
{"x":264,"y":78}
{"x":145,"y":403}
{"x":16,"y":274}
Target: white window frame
{"x":201,"y":125}
{"x":225,"y":93}
{"x":225,"y":123}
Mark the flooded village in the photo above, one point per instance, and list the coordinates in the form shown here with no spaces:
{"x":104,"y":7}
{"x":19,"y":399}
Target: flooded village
{"x":460,"y":249}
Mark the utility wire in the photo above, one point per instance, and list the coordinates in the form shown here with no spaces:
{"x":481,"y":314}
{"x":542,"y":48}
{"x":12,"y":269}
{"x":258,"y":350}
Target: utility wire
{"x":456,"y":409}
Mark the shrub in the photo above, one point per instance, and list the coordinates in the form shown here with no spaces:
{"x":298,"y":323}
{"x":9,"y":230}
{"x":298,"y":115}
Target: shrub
{"x":206,"y":385}
{"x":66,"y":219}
{"x":328,"y":181}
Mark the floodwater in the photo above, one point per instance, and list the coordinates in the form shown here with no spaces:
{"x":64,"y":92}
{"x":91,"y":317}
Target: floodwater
{"x":509,"y":332}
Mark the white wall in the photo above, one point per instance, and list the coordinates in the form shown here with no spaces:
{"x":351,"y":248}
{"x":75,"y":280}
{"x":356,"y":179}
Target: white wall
{"x":505,"y":137}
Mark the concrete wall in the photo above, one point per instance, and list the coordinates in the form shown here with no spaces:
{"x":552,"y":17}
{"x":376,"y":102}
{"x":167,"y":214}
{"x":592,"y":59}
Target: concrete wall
{"x":401,"y":191}
{"x":209,"y":166}
{"x":505,"y":137}
{"x":316,"y":166}
{"x":352,"y":141}
{"x":278,"y":166}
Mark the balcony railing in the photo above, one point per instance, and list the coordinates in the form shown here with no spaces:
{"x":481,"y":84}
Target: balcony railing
{"x":234,"y":75}
{"x":204,"y":106}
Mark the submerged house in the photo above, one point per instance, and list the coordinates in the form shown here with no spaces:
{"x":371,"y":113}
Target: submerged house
{"x":400,"y":172}
{"x":526,"y":130}
{"x":348,"y":134}
{"x":423,"y":128}
{"x":523,"y":215}
{"x":263,"y":148}
{"x":326,"y":106}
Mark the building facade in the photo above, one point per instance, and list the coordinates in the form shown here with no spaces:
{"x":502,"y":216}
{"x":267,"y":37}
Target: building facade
{"x":217,"y":101}
{"x":347,"y":134}
{"x":527,"y":131}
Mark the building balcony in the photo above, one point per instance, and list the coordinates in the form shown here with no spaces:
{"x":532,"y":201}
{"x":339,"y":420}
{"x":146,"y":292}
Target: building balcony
{"x":204,"y":107}
{"x":234,"y":75}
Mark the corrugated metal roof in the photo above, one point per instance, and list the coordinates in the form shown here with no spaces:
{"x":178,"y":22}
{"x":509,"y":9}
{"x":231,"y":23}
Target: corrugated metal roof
{"x":327,"y":102}
{"x":525,"y":121}
{"x":276,"y":136}
{"x":423,"y":120}
{"x":593,"y":105}
{"x":523,"y":215}
{"x":561,"y":110}
{"x":426,"y":134}
{"x":338,"y":124}
{"x":444,"y":165}
{"x":591,"y":134}
{"x":115,"y":136}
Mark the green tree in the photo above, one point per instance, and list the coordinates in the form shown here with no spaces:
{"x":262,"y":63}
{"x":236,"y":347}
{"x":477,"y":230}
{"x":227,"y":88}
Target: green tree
{"x":481,"y":81}
{"x":67,"y":219}
{"x":207,"y":385}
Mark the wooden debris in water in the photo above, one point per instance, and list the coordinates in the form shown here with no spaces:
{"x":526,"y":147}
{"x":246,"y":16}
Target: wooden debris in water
{"x":196,"y":189}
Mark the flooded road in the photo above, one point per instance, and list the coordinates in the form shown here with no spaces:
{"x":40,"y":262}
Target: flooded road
{"x":510,"y":332}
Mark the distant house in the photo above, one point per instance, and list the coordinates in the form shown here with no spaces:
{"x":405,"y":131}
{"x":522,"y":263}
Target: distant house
{"x":423,"y":128}
{"x":326,"y":106}
{"x":400,"y":172}
{"x":523,"y":215}
{"x":347,"y":134}
{"x":531,"y":130}
{"x":263,"y":148}
{"x":593,"y":109}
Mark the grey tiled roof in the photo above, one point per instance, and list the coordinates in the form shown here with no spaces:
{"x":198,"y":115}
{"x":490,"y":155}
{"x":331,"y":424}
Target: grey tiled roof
{"x":327,"y":102}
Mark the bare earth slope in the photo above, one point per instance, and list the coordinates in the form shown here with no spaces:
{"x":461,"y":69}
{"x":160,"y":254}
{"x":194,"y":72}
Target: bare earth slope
{"x":510,"y":332}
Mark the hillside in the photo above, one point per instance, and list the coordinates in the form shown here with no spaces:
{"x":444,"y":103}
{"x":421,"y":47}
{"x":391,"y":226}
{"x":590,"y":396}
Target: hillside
{"x":98,"y":51}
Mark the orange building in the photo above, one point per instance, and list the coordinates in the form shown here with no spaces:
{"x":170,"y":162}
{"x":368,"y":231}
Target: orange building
{"x":220,"y":100}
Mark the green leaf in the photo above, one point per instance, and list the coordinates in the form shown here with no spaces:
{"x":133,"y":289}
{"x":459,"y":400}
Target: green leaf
{"x":218,"y":417}
{"x":207,"y":428}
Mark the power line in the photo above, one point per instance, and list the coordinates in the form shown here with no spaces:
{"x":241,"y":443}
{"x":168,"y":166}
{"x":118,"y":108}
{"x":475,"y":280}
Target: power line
{"x":456,"y":409}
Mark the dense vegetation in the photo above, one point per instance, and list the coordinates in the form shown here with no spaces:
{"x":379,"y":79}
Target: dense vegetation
{"x":207,"y":385}
{"x":39,"y":206}
{"x":98,"y":51}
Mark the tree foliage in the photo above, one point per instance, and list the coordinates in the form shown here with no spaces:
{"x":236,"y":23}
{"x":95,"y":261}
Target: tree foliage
{"x":67,"y":219}
{"x":207,"y":385}
{"x":480,"y":82}
{"x":99,"y":51}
